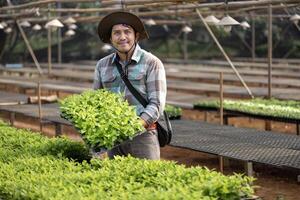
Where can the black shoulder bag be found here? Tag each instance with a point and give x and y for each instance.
(164, 129)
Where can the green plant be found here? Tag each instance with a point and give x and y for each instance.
(21, 143)
(64, 147)
(103, 118)
(267, 107)
(39, 174)
(173, 112)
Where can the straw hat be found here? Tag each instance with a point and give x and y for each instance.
(106, 24)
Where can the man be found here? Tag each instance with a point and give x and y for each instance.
(123, 30)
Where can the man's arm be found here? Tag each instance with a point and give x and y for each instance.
(156, 91)
(97, 84)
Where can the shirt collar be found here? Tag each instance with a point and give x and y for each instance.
(136, 56)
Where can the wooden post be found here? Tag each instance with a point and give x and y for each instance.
(226, 119)
(49, 45)
(268, 125)
(270, 51)
(40, 104)
(221, 164)
(185, 51)
(221, 98)
(168, 47)
(205, 116)
(249, 168)
(58, 129)
(59, 34)
(12, 117)
(57, 93)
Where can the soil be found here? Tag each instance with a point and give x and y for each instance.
(273, 183)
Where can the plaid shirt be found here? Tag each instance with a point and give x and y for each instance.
(145, 72)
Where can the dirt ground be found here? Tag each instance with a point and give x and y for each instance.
(274, 183)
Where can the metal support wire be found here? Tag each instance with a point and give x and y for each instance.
(224, 53)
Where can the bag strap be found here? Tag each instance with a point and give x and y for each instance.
(133, 91)
(137, 95)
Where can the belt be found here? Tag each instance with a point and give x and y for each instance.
(152, 127)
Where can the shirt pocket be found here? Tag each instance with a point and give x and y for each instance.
(109, 81)
(138, 80)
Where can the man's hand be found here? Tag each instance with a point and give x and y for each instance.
(144, 123)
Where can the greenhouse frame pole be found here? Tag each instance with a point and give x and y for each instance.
(270, 49)
(224, 53)
(185, 48)
(59, 39)
(221, 98)
(49, 45)
(29, 48)
(253, 47)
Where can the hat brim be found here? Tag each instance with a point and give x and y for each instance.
(106, 24)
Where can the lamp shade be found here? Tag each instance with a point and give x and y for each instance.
(70, 20)
(4, 24)
(54, 23)
(245, 25)
(36, 27)
(72, 26)
(211, 19)
(8, 30)
(228, 21)
(106, 48)
(150, 22)
(70, 33)
(187, 29)
(25, 24)
(295, 18)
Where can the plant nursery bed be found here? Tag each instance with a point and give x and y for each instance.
(274, 183)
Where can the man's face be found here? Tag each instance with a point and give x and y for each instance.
(123, 37)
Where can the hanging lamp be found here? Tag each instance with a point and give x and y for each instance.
(36, 27)
(150, 22)
(8, 30)
(106, 48)
(25, 23)
(295, 18)
(227, 22)
(54, 23)
(4, 24)
(186, 29)
(72, 26)
(70, 33)
(70, 20)
(245, 25)
(211, 19)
